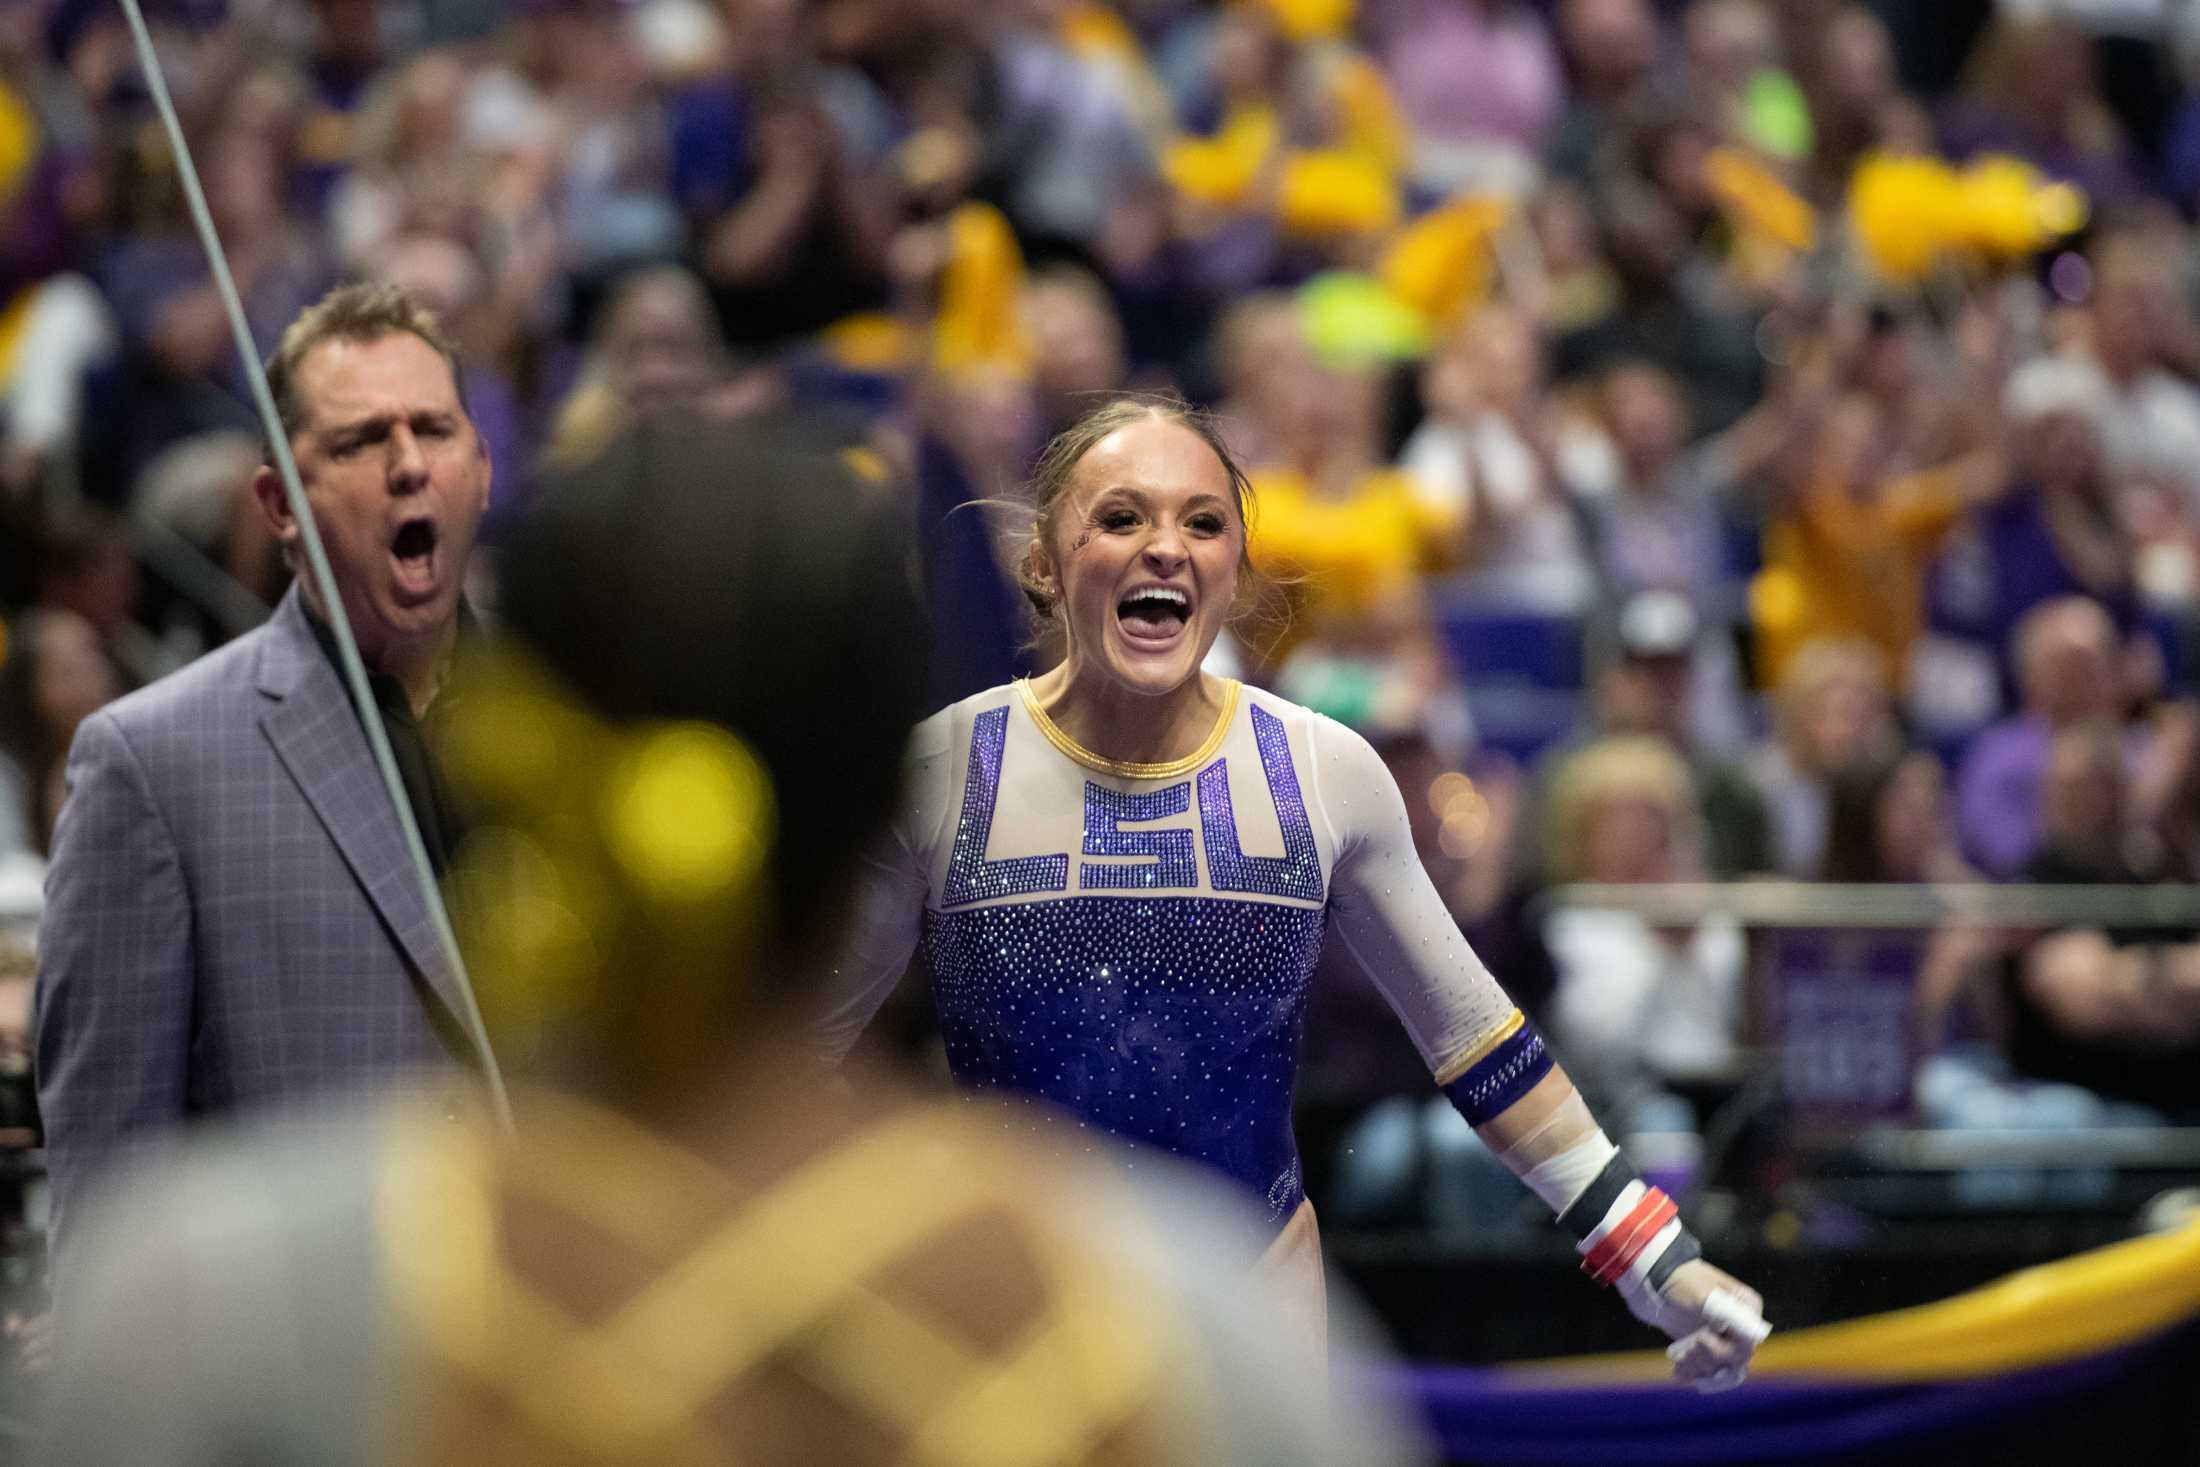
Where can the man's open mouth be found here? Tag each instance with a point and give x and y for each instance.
(1154, 613)
(413, 548)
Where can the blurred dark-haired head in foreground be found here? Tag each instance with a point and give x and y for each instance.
(676, 752)
(697, 1243)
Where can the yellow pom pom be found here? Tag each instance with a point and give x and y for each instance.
(1757, 202)
(978, 325)
(1994, 213)
(1440, 264)
(1903, 212)
(1222, 170)
(1312, 20)
(1912, 214)
(1370, 122)
(2006, 210)
(1331, 193)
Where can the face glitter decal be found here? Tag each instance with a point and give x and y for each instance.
(1297, 872)
(1106, 810)
(970, 876)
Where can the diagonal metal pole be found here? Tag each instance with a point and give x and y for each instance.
(324, 581)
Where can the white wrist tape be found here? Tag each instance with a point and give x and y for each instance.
(1561, 1179)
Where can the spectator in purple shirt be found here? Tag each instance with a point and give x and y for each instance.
(2056, 533)
(2067, 653)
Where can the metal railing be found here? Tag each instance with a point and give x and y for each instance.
(1924, 906)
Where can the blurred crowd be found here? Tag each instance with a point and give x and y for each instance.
(1694, 441)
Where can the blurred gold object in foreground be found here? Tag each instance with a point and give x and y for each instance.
(593, 1293)
(597, 851)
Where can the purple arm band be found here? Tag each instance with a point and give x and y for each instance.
(1493, 1082)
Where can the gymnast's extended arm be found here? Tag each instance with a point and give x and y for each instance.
(1492, 1064)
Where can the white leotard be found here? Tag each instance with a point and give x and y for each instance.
(1134, 942)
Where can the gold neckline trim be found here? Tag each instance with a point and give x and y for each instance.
(1123, 769)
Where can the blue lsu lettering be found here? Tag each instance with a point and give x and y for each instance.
(1174, 864)
(1167, 859)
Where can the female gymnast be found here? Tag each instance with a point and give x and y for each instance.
(1122, 873)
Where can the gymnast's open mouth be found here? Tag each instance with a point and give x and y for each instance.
(1154, 612)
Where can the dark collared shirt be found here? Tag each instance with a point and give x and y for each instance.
(431, 804)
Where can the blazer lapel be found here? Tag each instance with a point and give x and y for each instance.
(317, 736)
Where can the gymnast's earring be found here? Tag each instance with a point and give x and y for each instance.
(1038, 581)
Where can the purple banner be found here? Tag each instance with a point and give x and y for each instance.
(1846, 1020)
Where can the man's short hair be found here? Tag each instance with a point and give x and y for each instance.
(366, 311)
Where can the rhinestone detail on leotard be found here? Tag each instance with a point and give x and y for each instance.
(1173, 1021)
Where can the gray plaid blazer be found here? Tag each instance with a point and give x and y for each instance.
(231, 919)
